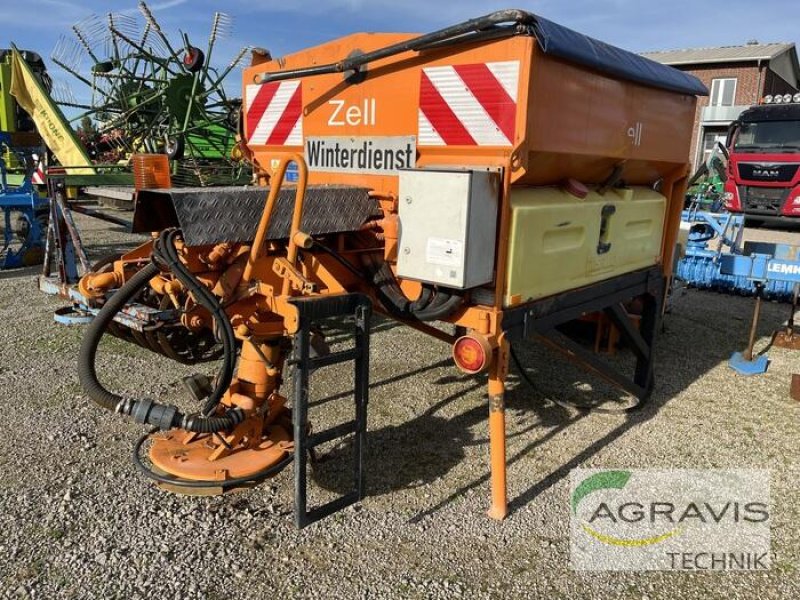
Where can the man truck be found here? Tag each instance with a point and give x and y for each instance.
(763, 178)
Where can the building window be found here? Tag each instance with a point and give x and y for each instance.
(723, 92)
(711, 136)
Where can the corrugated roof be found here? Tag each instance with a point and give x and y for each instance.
(690, 56)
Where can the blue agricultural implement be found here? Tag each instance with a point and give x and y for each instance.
(24, 218)
(715, 258)
(712, 238)
(764, 265)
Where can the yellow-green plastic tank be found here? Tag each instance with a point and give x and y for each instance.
(561, 241)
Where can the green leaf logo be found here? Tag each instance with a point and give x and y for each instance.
(599, 481)
(611, 480)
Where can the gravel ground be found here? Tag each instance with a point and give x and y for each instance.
(79, 522)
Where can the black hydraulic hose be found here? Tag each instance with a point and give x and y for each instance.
(499, 17)
(167, 252)
(395, 304)
(428, 307)
(389, 294)
(443, 304)
(87, 372)
(439, 299)
(440, 312)
(423, 301)
(392, 297)
(340, 259)
(145, 410)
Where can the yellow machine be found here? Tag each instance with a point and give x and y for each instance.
(505, 175)
(13, 118)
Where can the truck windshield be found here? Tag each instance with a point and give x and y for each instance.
(768, 136)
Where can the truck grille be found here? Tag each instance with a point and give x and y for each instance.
(762, 200)
(782, 172)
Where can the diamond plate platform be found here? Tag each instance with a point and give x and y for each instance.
(231, 214)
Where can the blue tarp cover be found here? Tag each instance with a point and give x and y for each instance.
(568, 44)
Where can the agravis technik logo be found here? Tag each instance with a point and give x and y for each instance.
(670, 519)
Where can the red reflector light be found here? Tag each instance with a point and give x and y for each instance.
(472, 354)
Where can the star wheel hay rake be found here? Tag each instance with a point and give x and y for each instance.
(144, 93)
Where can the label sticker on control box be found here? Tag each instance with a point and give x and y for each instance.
(441, 251)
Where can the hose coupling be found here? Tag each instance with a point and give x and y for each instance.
(149, 412)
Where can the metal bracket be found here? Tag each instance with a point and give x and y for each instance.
(541, 318)
(283, 268)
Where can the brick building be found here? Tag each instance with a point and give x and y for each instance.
(737, 77)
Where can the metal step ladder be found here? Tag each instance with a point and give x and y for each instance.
(310, 312)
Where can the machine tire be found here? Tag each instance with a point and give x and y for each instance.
(193, 59)
(175, 148)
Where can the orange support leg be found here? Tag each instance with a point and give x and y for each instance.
(497, 431)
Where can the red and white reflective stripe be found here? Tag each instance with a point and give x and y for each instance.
(38, 174)
(469, 105)
(274, 113)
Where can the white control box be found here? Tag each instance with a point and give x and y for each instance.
(448, 226)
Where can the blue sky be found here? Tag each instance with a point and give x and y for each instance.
(283, 25)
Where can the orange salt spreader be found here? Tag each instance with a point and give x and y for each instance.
(505, 175)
